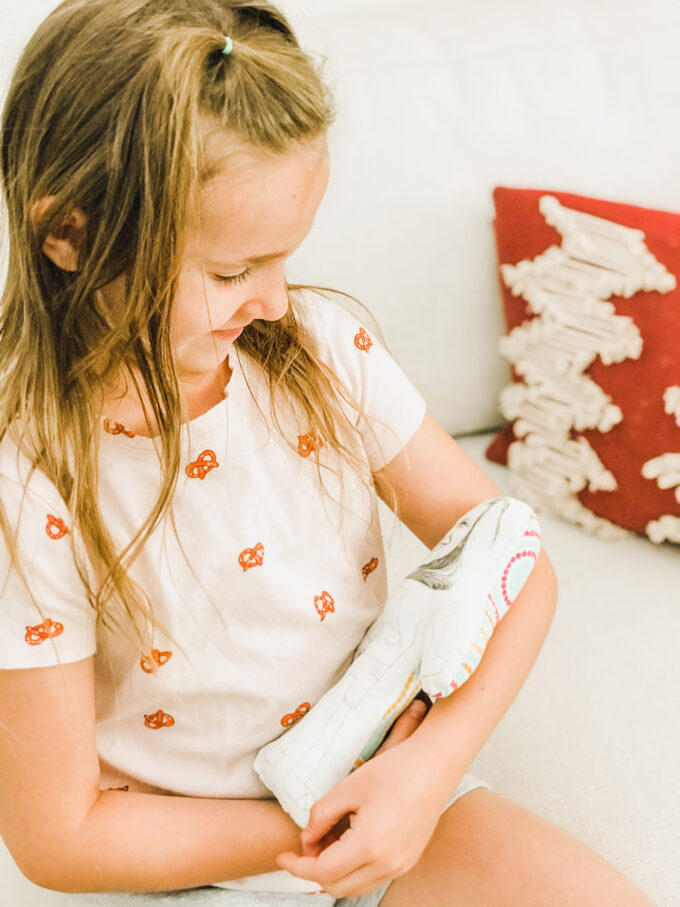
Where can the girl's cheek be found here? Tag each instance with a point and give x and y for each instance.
(203, 305)
(192, 310)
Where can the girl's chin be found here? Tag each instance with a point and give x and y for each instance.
(208, 350)
(195, 365)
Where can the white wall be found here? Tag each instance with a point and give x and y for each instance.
(440, 100)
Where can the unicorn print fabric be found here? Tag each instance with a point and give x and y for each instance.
(430, 636)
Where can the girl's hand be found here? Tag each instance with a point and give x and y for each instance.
(409, 720)
(374, 825)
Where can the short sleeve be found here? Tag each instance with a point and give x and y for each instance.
(65, 631)
(393, 407)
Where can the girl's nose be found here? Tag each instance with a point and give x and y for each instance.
(269, 297)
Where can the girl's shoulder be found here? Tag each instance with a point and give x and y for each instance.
(338, 328)
(320, 308)
(22, 483)
(347, 338)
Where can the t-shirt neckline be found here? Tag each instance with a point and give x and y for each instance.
(208, 421)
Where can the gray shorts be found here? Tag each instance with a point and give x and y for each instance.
(210, 896)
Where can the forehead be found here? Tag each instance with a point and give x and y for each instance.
(257, 206)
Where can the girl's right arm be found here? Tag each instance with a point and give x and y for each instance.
(67, 835)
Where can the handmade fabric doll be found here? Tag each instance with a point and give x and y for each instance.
(431, 635)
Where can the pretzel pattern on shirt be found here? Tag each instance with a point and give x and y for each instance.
(249, 557)
(115, 428)
(324, 604)
(307, 443)
(55, 528)
(362, 341)
(202, 465)
(368, 568)
(151, 663)
(252, 557)
(48, 629)
(300, 712)
(157, 720)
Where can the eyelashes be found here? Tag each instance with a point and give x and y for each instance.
(234, 279)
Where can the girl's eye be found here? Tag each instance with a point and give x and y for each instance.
(235, 278)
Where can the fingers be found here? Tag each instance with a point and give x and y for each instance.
(342, 858)
(343, 869)
(409, 720)
(327, 813)
(330, 849)
(357, 883)
(335, 806)
(313, 849)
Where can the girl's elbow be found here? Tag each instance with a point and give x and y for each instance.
(51, 872)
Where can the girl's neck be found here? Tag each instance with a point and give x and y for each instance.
(123, 406)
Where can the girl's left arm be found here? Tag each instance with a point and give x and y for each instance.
(435, 483)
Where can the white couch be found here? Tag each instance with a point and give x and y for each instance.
(438, 101)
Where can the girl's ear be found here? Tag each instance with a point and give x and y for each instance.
(62, 247)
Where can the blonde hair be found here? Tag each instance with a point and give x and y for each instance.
(111, 110)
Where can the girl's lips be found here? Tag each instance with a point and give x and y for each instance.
(228, 335)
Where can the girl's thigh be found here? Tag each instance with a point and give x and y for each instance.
(488, 850)
(468, 783)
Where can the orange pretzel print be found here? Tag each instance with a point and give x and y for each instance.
(115, 428)
(201, 467)
(362, 341)
(48, 629)
(55, 528)
(300, 711)
(251, 557)
(151, 663)
(160, 719)
(369, 567)
(307, 443)
(324, 603)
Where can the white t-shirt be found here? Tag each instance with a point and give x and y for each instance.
(292, 595)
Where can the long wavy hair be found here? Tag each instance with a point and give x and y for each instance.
(111, 110)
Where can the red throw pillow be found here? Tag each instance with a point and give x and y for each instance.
(592, 308)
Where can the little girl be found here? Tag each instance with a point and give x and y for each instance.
(191, 451)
